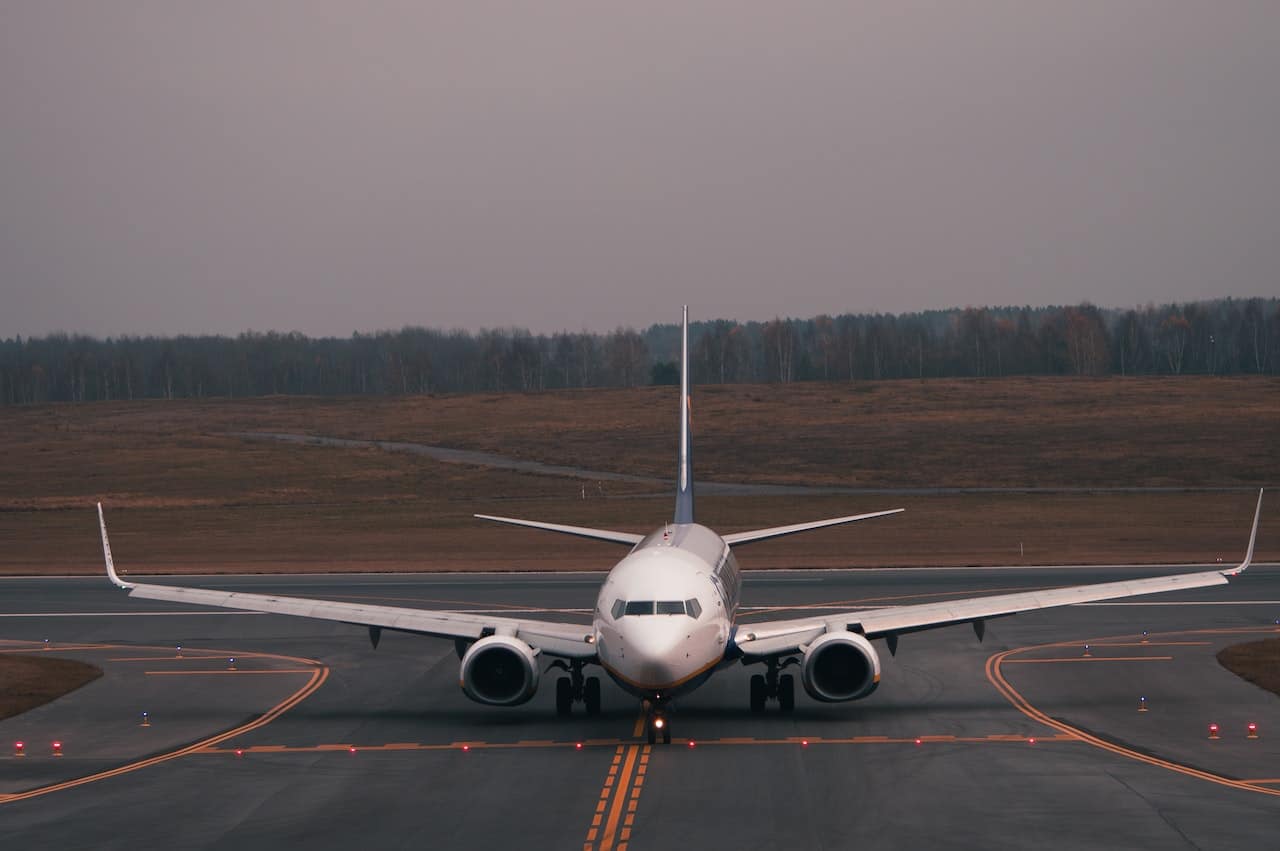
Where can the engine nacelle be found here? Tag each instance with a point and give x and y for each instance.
(840, 666)
(499, 671)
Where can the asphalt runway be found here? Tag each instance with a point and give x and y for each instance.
(311, 736)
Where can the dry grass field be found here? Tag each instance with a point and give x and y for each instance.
(1256, 661)
(183, 495)
(30, 681)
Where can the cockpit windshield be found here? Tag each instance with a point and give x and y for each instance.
(690, 607)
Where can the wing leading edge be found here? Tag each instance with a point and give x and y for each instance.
(570, 641)
(772, 638)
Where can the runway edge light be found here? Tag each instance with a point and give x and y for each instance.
(1253, 730)
(1213, 731)
(19, 749)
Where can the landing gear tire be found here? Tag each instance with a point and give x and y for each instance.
(564, 696)
(759, 693)
(786, 693)
(591, 695)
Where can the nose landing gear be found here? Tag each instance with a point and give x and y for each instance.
(656, 723)
(575, 688)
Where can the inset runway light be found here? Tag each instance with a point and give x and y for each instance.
(57, 748)
(179, 651)
(919, 741)
(804, 743)
(578, 746)
(1142, 704)
(231, 663)
(351, 749)
(1086, 650)
(19, 748)
(46, 644)
(1253, 731)
(146, 719)
(466, 748)
(692, 744)
(239, 752)
(1031, 741)
(1145, 639)
(1213, 731)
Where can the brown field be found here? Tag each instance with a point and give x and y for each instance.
(184, 496)
(1256, 661)
(30, 681)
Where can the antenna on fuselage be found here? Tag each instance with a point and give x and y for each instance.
(684, 476)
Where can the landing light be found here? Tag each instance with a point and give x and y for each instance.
(658, 723)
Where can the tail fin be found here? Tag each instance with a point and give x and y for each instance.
(684, 479)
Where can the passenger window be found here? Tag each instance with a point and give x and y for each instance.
(671, 607)
(693, 607)
(639, 607)
(618, 607)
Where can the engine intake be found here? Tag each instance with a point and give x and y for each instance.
(499, 671)
(840, 666)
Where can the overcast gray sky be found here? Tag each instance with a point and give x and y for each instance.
(183, 167)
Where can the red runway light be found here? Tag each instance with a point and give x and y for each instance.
(19, 749)
(1213, 731)
(578, 746)
(466, 747)
(1031, 741)
(352, 749)
(1253, 730)
(804, 743)
(691, 743)
(57, 748)
(918, 742)
(239, 751)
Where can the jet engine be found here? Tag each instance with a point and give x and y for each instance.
(840, 666)
(499, 671)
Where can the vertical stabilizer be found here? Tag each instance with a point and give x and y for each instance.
(684, 478)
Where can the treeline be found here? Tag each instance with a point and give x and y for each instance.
(1221, 337)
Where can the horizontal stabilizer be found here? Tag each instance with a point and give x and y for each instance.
(581, 531)
(779, 531)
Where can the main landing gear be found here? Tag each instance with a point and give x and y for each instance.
(656, 723)
(772, 685)
(576, 687)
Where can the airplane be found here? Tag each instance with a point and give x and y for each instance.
(665, 618)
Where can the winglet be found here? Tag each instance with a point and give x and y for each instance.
(106, 554)
(1253, 536)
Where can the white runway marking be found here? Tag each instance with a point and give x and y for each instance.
(1194, 603)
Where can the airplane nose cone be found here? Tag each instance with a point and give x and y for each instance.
(656, 653)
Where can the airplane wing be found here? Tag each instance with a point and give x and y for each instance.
(739, 538)
(774, 638)
(580, 531)
(565, 640)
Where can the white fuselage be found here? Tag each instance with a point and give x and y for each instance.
(665, 613)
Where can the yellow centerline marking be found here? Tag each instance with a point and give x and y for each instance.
(1024, 706)
(230, 671)
(319, 673)
(1090, 659)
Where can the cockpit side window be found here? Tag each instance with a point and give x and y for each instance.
(693, 607)
(618, 607)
